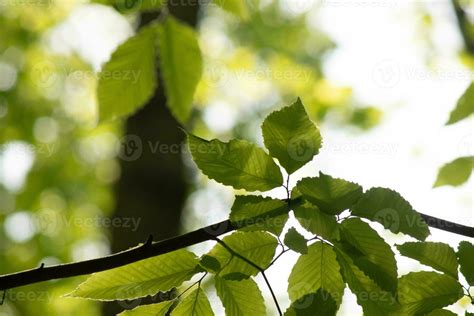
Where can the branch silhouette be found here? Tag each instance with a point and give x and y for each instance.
(151, 249)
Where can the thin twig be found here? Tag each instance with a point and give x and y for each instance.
(260, 269)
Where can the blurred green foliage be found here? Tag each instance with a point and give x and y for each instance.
(48, 112)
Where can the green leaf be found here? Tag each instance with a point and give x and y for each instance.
(370, 253)
(312, 219)
(391, 210)
(316, 270)
(456, 172)
(466, 261)
(258, 247)
(434, 254)
(370, 296)
(464, 107)
(295, 241)
(160, 309)
(240, 298)
(254, 212)
(128, 80)
(423, 292)
(139, 279)
(238, 163)
(210, 263)
(195, 304)
(329, 194)
(316, 304)
(291, 137)
(441, 312)
(181, 65)
(237, 7)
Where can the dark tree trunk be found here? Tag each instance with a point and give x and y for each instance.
(152, 188)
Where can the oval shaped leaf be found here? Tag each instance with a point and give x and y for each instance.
(370, 253)
(466, 261)
(434, 254)
(291, 137)
(238, 163)
(391, 210)
(240, 298)
(316, 270)
(139, 279)
(464, 107)
(128, 79)
(370, 296)
(456, 172)
(180, 65)
(295, 241)
(329, 194)
(423, 292)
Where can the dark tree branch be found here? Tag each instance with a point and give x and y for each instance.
(152, 249)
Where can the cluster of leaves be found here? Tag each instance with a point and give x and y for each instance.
(459, 170)
(345, 249)
(180, 63)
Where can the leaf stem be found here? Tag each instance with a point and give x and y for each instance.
(261, 270)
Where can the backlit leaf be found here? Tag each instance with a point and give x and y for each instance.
(139, 279)
(240, 298)
(423, 292)
(370, 296)
(464, 107)
(434, 254)
(238, 163)
(316, 270)
(291, 137)
(391, 210)
(295, 241)
(456, 172)
(329, 194)
(370, 253)
(180, 65)
(128, 80)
